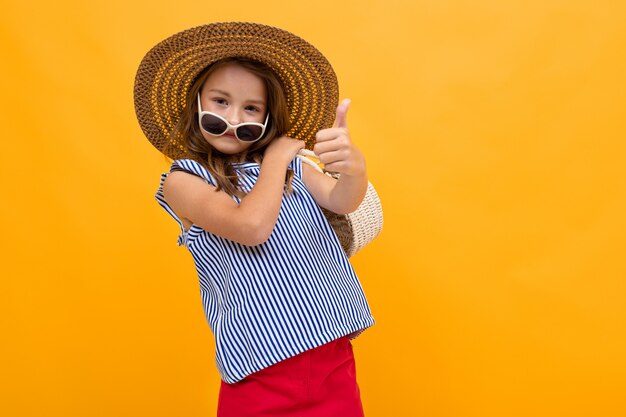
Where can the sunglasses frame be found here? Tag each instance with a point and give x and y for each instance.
(229, 126)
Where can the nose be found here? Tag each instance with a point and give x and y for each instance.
(233, 116)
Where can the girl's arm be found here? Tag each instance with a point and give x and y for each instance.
(251, 222)
(336, 150)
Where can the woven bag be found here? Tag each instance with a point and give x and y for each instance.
(354, 230)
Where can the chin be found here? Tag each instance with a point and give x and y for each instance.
(229, 147)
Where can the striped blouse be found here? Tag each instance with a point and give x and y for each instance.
(269, 302)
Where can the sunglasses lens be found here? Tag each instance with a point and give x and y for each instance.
(249, 133)
(213, 124)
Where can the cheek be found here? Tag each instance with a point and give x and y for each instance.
(206, 136)
(254, 117)
(214, 108)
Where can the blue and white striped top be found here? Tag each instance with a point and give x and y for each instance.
(269, 302)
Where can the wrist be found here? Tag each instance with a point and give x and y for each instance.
(274, 161)
(358, 168)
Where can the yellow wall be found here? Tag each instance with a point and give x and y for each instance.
(495, 134)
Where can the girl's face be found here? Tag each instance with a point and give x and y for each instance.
(237, 95)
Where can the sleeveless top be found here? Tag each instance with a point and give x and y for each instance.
(272, 301)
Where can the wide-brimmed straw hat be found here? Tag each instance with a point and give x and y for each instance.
(169, 69)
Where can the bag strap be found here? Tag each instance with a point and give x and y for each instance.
(305, 156)
(357, 229)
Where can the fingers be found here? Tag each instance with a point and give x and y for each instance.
(340, 127)
(333, 156)
(328, 141)
(342, 112)
(342, 162)
(333, 145)
(295, 144)
(285, 147)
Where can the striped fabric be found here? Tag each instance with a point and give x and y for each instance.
(269, 302)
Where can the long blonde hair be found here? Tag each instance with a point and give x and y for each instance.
(217, 163)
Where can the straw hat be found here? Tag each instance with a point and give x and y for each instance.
(169, 69)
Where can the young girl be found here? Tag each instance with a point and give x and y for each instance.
(233, 104)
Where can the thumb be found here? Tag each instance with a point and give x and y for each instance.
(342, 111)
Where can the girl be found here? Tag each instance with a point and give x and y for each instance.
(233, 104)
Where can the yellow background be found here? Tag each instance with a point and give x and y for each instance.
(494, 132)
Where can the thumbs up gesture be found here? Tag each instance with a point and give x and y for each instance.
(335, 148)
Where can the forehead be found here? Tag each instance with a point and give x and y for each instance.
(232, 74)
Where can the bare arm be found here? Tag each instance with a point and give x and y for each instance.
(251, 222)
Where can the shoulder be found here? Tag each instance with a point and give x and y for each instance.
(179, 182)
(180, 189)
(186, 181)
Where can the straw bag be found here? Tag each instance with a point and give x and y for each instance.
(356, 229)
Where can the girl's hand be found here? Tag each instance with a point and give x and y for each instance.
(283, 150)
(335, 148)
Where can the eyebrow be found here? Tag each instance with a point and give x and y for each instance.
(224, 93)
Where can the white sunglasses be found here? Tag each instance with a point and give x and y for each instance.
(216, 125)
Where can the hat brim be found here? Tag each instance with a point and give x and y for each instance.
(168, 70)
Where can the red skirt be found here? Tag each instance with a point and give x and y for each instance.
(318, 382)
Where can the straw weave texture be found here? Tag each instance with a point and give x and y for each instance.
(357, 229)
(168, 70)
